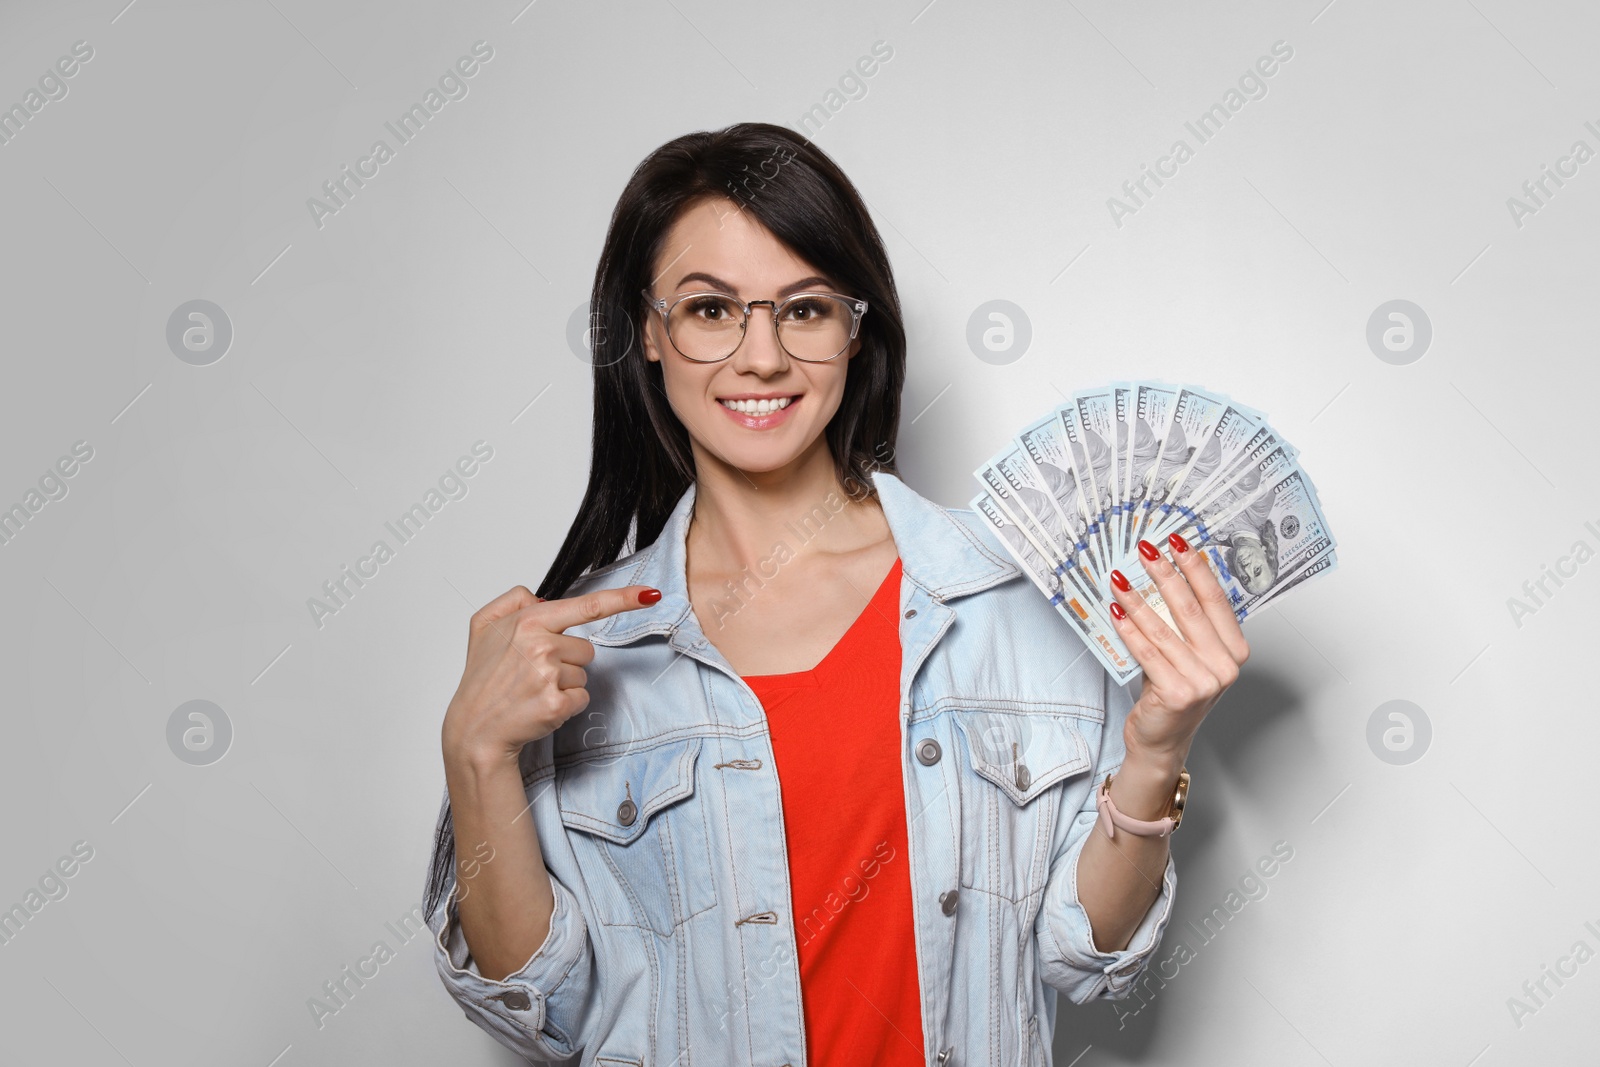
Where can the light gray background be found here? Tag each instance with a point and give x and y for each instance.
(432, 311)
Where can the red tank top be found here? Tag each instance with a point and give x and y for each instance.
(836, 737)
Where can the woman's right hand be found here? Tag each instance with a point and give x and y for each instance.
(524, 677)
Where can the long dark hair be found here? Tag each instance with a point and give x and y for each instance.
(641, 463)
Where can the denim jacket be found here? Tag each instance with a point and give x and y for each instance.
(673, 939)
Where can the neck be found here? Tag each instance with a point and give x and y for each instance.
(741, 517)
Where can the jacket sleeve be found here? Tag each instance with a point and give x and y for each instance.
(1068, 959)
(538, 1010)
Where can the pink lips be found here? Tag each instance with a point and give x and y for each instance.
(761, 422)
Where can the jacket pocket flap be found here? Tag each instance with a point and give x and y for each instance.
(1024, 753)
(615, 796)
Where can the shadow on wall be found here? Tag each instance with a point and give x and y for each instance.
(1232, 750)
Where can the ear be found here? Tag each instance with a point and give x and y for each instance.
(651, 352)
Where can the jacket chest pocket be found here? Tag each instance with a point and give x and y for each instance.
(641, 838)
(1012, 762)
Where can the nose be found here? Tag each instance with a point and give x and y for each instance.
(759, 352)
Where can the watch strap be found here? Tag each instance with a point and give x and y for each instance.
(1111, 819)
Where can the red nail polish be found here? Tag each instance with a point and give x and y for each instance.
(1178, 544)
(649, 596)
(1120, 580)
(1117, 612)
(1148, 551)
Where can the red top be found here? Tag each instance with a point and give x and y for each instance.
(836, 737)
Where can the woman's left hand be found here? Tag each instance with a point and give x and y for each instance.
(1183, 675)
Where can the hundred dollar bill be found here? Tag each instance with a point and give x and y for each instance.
(1091, 462)
(1122, 399)
(1235, 462)
(1000, 495)
(1270, 533)
(1324, 562)
(1236, 429)
(1015, 487)
(1149, 447)
(1097, 417)
(1101, 640)
(1269, 461)
(1043, 442)
(1195, 413)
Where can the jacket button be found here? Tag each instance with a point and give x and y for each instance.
(927, 752)
(947, 902)
(517, 1000)
(1023, 777)
(911, 613)
(627, 811)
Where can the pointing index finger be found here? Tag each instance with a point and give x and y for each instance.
(558, 615)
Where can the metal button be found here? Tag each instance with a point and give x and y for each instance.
(944, 1055)
(627, 811)
(1023, 777)
(927, 752)
(517, 1000)
(947, 902)
(911, 613)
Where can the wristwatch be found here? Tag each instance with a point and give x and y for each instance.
(1111, 818)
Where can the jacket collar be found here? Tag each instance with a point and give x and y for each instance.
(937, 552)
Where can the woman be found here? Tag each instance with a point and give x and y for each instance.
(810, 774)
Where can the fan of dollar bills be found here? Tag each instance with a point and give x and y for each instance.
(1072, 495)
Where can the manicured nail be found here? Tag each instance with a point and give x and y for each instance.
(1117, 612)
(649, 596)
(1120, 580)
(1148, 551)
(1178, 544)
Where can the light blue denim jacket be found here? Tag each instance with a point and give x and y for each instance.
(673, 939)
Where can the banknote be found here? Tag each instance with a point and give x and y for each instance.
(1074, 492)
(1097, 634)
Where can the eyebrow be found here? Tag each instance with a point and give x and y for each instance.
(813, 282)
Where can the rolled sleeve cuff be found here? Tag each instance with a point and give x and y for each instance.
(522, 1009)
(1066, 938)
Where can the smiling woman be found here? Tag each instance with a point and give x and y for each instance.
(674, 792)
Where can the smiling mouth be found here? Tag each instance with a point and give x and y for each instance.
(758, 407)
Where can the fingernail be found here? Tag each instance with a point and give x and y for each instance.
(649, 596)
(1178, 544)
(1117, 612)
(1148, 551)
(1120, 580)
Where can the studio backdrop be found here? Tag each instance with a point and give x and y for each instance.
(283, 282)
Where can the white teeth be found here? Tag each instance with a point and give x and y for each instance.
(757, 407)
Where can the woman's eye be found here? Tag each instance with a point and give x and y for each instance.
(807, 310)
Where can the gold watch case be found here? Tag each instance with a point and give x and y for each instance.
(1179, 796)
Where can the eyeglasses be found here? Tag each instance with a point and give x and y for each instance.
(707, 327)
